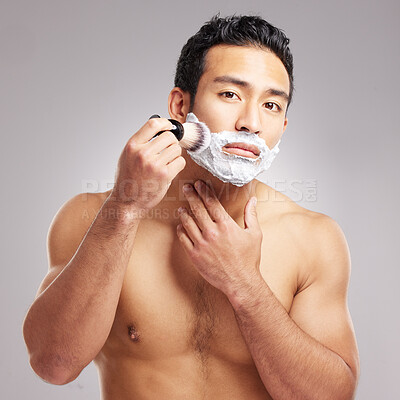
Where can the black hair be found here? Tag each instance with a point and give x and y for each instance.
(232, 30)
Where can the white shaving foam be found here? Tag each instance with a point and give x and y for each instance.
(233, 168)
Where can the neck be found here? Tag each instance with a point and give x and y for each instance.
(232, 198)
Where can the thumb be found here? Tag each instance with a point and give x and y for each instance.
(250, 214)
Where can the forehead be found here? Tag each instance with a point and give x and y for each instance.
(259, 66)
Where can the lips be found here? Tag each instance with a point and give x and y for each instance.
(242, 149)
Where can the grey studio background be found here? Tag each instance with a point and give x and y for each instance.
(77, 78)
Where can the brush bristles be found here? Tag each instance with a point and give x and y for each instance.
(196, 136)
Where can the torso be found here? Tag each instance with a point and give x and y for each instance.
(174, 335)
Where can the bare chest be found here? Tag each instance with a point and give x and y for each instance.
(167, 309)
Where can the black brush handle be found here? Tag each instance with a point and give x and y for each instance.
(177, 130)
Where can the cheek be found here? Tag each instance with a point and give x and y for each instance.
(273, 132)
(213, 115)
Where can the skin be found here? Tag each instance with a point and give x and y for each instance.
(198, 294)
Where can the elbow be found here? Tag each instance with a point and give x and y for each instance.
(51, 370)
(349, 386)
(50, 366)
(351, 393)
(352, 381)
(341, 387)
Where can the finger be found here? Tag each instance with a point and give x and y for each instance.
(190, 225)
(151, 128)
(184, 238)
(161, 142)
(250, 215)
(169, 154)
(175, 166)
(214, 207)
(196, 205)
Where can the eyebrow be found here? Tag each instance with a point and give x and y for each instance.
(231, 79)
(244, 84)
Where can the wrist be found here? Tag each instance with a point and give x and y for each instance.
(244, 294)
(120, 211)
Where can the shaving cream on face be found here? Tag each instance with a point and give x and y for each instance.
(233, 168)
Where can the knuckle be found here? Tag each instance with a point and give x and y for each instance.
(223, 226)
(222, 218)
(210, 200)
(183, 162)
(210, 234)
(131, 146)
(177, 148)
(201, 245)
(159, 124)
(153, 123)
(195, 255)
(143, 157)
(162, 172)
(171, 137)
(196, 212)
(154, 166)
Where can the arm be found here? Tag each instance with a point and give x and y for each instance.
(311, 352)
(70, 320)
(71, 317)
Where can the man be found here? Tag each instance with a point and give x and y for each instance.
(179, 286)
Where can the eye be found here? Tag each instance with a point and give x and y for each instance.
(270, 106)
(228, 95)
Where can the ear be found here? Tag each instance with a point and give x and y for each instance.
(178, 104)
(284, 125)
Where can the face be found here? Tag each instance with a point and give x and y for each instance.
(243, 89)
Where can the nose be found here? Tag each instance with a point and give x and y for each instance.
(249, 119)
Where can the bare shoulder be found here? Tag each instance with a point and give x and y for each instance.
(67, 230)
(317, 236)
(275, 207)
(70, 224)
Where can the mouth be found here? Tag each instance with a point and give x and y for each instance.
(242, 149)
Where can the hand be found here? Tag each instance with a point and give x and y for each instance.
(225, 254)
(146, 168)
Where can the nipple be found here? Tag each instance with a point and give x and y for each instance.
(133, 334)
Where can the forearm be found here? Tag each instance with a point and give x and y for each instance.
(291, 364)
(69, 322)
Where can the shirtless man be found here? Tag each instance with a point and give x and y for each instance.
(200, 294)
